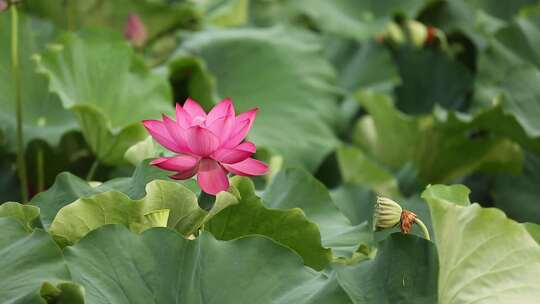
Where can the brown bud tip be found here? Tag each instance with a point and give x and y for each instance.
(135, 31)
(407, 221)
(431, 32)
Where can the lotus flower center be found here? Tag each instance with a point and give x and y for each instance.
(198, 120)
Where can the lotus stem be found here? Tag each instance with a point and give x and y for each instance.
(423, 227)
(15, 73)
(92, 170)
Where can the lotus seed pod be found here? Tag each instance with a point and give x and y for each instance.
(387, 213)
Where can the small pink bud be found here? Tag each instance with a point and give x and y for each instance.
(3, 5)
(135, 31)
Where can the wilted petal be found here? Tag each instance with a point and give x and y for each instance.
(201, 141)
(241, 128)
(182, 117)
(247, 167)
(160, 133)
(212, 178)
(178, 163)
(177, 133)
(194, 110)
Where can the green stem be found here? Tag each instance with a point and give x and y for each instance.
(15, 73)
(423, 227)
(92, 170)
(40, 170)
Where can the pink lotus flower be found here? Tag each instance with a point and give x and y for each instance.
(207, 145)
(135, 31)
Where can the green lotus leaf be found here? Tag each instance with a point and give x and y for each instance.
(431, 78)
(296, 188)
(366, 66)
(483, 255)
(357, 169)
(44, 117)
(158, 17)
(117, 266)
(518, 195)
(27, 215)
(404, 271)
(289, 227)
(508, 71)
(75, 220)
(32, 267)
(294, 94)
(97, 76)
(354, 19)
(67, 188)
(442, 146)
(534, 230)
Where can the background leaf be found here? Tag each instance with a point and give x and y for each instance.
(404, 271)
(117, 266)
(28, 261)
(289, 227)
(98, 76)
(480, 247)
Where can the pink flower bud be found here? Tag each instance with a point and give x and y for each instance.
(3, 5)
(135, 31)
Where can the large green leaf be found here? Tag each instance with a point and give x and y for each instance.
(26, 215)
(483, 255)
(507, 75)
(404, 271)
(363, 66)
(158, 18)
(358, 169)
(289, 227)
(280, 70)
(519, 196)
(31, 266)
(43, 115)
(159, 266)
(97, 75)
(67, 188)
(430, 77)
(75, 220)
(354, 19)
(295, 188)
(443, 146)
(354, 201)
(479, 19)
(511, 67)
